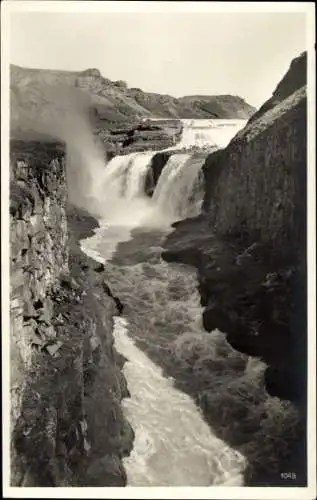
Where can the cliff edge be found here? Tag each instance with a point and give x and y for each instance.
(67, 427)
(249, 246)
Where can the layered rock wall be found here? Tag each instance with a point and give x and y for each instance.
(249, 246)
(141, 136)
(38, 248)
(67, 427)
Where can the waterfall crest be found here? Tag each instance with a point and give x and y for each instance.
(208, 134)
(119, 191)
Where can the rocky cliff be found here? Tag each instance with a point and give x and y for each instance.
(294, 79)
(264, 164)
(249, 246)
(143, 136)
(67, 427)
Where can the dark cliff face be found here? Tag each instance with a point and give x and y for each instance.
(256, 186)
(294, 79)
(249, 245)
(67, 427)
(255, 208)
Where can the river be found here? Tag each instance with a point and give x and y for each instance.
(160, 332)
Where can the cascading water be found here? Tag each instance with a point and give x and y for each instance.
(120, 193)
(179, 191)
(173, 445)
(124, 176)
(119, 189)
(136, 175)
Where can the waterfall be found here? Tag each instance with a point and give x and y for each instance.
(124, 175)
(119, 190)
(178, 193)
(135, 177)
(120, 194)
(179, 189)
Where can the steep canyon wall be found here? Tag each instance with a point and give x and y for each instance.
(249, 247)
(257, 185)
(67, 428)
(249, 244)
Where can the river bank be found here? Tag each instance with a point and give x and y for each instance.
(249, 248)
(248, 294)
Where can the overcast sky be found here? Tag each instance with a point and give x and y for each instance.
(179, 54)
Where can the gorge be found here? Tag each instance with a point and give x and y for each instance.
(149, 355)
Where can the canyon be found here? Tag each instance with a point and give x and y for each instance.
(214, 307)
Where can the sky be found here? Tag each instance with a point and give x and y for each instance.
(176, 53)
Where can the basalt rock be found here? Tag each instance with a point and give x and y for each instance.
(158, 162)
(139, 136)
(249, 245)
(66, 382)
(294, 79)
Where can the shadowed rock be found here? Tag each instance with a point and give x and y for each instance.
(250, 244)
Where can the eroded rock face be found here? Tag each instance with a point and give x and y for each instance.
(256, 186)
(250, 243)
(38, 247)
(249, 246)
(294, 79)
(66, 380)
(139, 136)
(158, 162)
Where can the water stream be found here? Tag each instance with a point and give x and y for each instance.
(161, 329)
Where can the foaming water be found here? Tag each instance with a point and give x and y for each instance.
(124, 176)
(180, 188)
(121, 200)
(136, 175)
(173, 445)
(119, 192)
(166, 189)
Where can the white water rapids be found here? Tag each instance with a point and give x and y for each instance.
(161, 322)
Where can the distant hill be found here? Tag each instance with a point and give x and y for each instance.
(113, 102)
